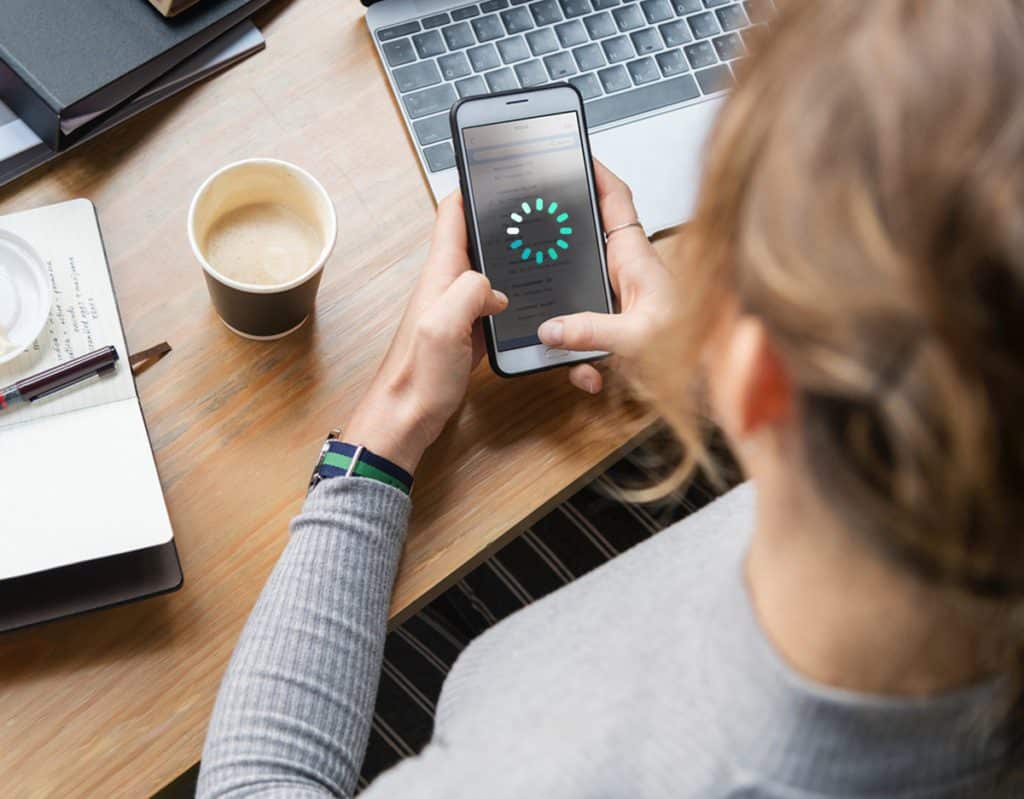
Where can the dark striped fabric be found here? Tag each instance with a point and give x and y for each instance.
(590, 528)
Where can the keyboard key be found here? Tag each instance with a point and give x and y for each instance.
(675, 33)
(703, 25)
(416, 76)
(465, 13)
(701, 54)
(643, 70)
(614, 79)
(501, 80)
(487, 28)
(542, 41)
(758, 10)
(571, 33)
(671, 63)
(729, 46)
(387, 34)
(458, 36)
(684, 7)
(432, 129)
(617, 49)
(646, 41)
(531, 73)
(575, 8)
(600, 5)
(493, 5)
(628, 18)
(440, 157)
(731, 18)
(560, 65)
(513, 49)
(428, 44)
(518, 2)
(429, 101)
(545, 12)
(588, 85)
(483, 57)
(517, 20)
(468, 87)
(589, 57)
(716, 79)
(639, 101)
(713, 3)
(600, 25)
(454, 65)
(398, 52)
(436, 20)
(656, 10)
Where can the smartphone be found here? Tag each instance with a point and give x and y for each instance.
(531, 212)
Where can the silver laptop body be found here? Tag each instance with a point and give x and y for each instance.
(652, 73)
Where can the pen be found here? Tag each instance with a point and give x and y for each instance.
(59, 377)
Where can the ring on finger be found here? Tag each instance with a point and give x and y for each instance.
(617, 228)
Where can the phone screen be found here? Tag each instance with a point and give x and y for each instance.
(535, 218)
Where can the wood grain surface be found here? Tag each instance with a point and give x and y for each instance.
(116, 703)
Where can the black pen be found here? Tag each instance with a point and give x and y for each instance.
(59, 377)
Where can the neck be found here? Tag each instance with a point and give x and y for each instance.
(843, 616)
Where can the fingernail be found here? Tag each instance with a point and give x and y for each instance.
(590, 386)
(501, 297)
(551, 332)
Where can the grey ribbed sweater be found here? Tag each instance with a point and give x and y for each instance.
(648, 677)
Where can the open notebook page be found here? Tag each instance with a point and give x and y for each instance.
(84, 314)
(77, 476)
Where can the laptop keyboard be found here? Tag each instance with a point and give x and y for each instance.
(626, 58)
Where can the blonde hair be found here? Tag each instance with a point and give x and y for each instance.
(863, 196)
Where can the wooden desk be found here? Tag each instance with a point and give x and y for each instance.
(116, 703)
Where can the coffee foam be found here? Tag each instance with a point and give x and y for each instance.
(262, 244)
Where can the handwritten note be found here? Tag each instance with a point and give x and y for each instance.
(83, 317)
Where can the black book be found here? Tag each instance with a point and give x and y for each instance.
(65, 65)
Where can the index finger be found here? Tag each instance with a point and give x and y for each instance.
(614, 197)
(448, 245)
(627, 245)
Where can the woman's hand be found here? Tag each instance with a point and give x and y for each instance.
(426, 370)
(642, 284)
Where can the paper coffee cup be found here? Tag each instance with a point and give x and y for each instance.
(281, 299)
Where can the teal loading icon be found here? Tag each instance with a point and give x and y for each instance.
(542, 249)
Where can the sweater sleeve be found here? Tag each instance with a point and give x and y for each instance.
(294, 710)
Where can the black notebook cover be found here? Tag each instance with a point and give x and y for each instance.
(65, 64)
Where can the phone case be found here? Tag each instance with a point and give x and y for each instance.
(492, 351)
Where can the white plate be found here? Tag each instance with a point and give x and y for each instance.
(25, 295)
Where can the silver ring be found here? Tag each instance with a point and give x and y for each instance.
(617, 228)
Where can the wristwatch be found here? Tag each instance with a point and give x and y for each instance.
(341, 459)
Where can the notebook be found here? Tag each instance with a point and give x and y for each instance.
(77, 475)
(21, 150)
(64, 65)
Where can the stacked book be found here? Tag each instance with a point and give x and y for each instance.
(70, 71)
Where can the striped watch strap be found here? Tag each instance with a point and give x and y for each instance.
(341, 459)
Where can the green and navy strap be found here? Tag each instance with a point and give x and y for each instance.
(341, 459)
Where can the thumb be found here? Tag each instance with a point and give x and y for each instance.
(586, 331)
(469, 298)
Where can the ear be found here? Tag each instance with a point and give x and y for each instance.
(751, 388)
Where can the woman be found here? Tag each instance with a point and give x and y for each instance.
(841, 625)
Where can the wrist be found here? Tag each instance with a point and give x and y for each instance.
(385, 425)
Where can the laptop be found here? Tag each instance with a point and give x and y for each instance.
(652, 74)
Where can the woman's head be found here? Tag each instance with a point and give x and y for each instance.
(861, 229)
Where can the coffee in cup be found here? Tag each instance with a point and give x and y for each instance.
(262, 230)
